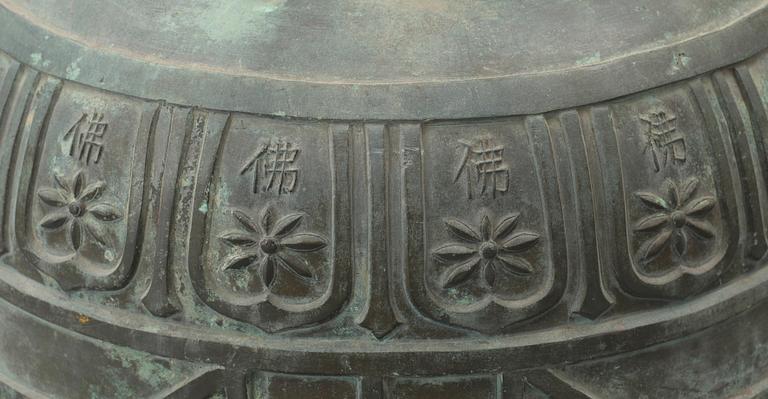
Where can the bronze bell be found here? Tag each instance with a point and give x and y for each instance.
(400, 199)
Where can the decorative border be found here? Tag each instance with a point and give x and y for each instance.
(300, 354)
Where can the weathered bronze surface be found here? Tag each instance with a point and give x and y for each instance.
(454, 199)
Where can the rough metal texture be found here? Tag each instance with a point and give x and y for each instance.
(383, 199)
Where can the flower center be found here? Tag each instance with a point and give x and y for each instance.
(489, 250)
(76, 208)
(678, 218)
(268, 245)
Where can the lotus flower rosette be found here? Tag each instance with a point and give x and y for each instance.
(270, 246)
(75, 207)
(485, 251)
(677, 218)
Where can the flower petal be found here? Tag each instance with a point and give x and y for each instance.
(296, 266)
(77, 183)
(674, 193)
(652, 222)
(489, 273)
(521, 241)
(462, 230)
(76, 234)
(305, 242)
(680, 242)
(240, 261)
(700, 206)
(453, 253)
(701, 228)
(105, 212)
(60, 182)
(267, 271)
(515, 266)
(245, 220)
(54, 221)
(485, 228)
(236, 239)
(51, 197)
(506, 226)
(267, 219)
(652, 247)
(92, 191)
(458, 274)
(653, 201)
(94, 231)
(689, 188)
(286, 225)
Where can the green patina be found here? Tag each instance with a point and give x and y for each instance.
(119, 387)
(242, 280)
(223, 193)
(203, 208)
(146, 368)
(590, 60)
(73, 70)
(680, 61)
(346, 332)
(37, 60)
(224, 21)
(459, 297)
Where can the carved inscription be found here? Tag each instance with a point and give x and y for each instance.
(273, 167)
(483, 167)
(663, 140)
(86, 138)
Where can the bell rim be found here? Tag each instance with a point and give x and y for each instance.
(62, 54)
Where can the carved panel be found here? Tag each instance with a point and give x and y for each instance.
(494, 248)
(671, 192)
(79, 203)
(276, 220)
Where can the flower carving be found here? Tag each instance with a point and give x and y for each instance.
(484, 251)
(271, 245)
(77, 208)
(676, 218)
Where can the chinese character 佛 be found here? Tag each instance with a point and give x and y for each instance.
(663, 139)
(87, 138)
(273, 168)
(483, 163)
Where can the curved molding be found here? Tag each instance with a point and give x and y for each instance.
(223, 89)
(319, 356)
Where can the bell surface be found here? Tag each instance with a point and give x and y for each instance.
(400, 199)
